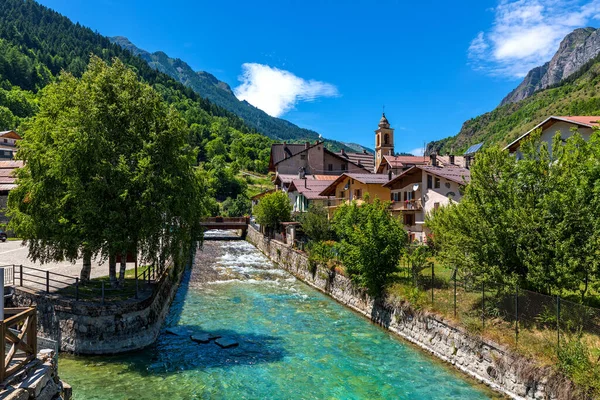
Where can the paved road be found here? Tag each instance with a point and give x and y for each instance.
(12, 252)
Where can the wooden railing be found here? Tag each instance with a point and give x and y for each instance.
(18, 331)
(407, 205)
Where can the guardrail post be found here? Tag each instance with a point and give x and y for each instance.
(103, 293)
(77, 289)
(21, 274)
(47, 281)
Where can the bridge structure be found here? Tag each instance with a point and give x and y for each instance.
(227, 224)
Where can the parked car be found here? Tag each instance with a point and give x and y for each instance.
(3, 236)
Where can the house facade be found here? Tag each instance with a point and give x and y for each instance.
(422, 189)
(558, 125)
(8, 144)
(306, 192)
(354, 187)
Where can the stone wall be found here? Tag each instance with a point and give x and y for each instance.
(38, 380)
(92, 328)
(488, 362)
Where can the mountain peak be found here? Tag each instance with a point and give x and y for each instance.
(575, 50)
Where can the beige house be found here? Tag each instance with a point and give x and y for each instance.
(422, 189)
(562, 125)
(354, 187)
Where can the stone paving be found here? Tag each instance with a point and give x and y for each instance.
(12, 252)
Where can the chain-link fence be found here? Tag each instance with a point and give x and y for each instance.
(533, 322)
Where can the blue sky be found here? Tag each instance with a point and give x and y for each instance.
(332, 65)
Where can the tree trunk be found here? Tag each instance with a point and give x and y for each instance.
(86, 270)
(112, 270)
(123, 268)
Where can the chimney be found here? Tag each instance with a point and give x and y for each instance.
(302, 173)
(364, 151)
(451, 159)
(390, 175)
(305, 187)
(343, 152)
(433, 159)
(306, 145)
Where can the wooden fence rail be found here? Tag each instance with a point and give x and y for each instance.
(18, 339)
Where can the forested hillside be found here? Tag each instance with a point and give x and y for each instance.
(579, 94)
(36, 44)
(219, 92)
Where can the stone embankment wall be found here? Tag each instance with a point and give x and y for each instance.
(39, 380)
(92, 328)
(488, 362)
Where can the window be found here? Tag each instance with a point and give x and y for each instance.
(437, 183)
(343, 167)
(386, 139)
(357, 193)
(409, 219)
(303, 156)
(5, 140)
(341, 194)
(396, 196)
(429, 181)
(436, 206)
(330, 167)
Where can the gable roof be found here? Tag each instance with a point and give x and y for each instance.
(367, 179)
(10, 134)
(584, 121)
(311, 189)
(402, 161)
(288, 178)
(462, 176)
(363, 159)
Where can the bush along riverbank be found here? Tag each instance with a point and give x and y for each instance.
(489, 362)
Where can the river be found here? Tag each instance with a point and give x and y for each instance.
(294, 343)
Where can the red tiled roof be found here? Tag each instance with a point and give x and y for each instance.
(377, 179)
(12, 164)
(459, 175)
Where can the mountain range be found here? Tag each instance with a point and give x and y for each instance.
(568, 84)
(220, 93)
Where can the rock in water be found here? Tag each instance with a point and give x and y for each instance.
(178, 331)
(226, 343)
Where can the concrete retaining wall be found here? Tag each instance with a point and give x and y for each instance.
(92, 328)
(486, 361)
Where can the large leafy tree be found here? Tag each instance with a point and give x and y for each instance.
(371, 243)
(273, 209)
(532, 220)
(108, 170)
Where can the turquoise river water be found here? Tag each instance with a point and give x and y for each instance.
(294, 343)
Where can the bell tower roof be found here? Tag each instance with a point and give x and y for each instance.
(383, 122)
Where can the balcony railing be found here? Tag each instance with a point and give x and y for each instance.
(339, 201)
(407, 205)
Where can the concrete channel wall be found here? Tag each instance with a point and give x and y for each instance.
(92, 328)
(486, 361)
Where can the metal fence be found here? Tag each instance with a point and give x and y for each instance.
(47, 282)
(532, 321)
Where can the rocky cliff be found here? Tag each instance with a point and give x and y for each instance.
(575, 50)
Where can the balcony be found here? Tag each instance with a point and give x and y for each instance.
(332, 203)
(407, 205)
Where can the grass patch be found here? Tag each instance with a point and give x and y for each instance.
(92, 290)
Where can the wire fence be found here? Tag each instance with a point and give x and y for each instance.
(532, 321)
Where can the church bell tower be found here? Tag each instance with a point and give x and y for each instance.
(384, 141)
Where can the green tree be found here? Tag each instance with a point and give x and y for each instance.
(273, 209)
(238, 207)
(108, 170)
(371, 244)
(316, 225)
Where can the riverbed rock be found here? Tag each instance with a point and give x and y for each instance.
(178, 331)
(226, 343)
(204, 337)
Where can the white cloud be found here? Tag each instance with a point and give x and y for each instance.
(527, 33)
(276, 91)
(417, 152)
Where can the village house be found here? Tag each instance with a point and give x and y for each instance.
(7, 183)
(562, 125)
(423, 188)
(8, 144)
(290, 160)
(354, 187)
(306, 192)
